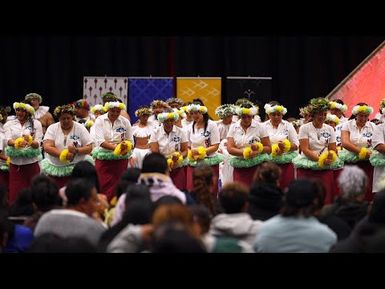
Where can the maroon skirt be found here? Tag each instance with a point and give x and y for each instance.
(20, 178)
(109, 173)
(244, 175)
(327, 179)
(189, 179)
(60, 181)
(178, 177)
(368, 169)
(4, 179)
(287, 175)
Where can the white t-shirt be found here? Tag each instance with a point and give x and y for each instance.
(169, 143)
(78, 137)
(142, 132)
(106, 131)
(255, 132)
(201, 138)
(319, 138)
(379, 135)
(359, 138)
(285, 130)
(41, 111)
(14, 129)
(223, 129)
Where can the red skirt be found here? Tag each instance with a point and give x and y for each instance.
(20, 178)
(178, 177)
(109, 173)
(4, 179)
(244, 175)
(327, 179)
(60, 181)
(189, 179)
(287, 175)
(368, 169)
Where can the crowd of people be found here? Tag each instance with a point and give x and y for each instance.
(178, 181)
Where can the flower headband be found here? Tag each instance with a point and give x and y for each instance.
(304, 111)
(158, 102)
(112, 104)
(339, 106)
(33, 95)
(275, 108)
(249, 111)
(180, 112)
(162, 117)
(143, 111)
(82, 103)
(25, 106)
(225, 110)
(98, 107)
(175, 100)
(317, 105)
(67, 108)
(332, 118)
(109, 96)
(362, 108)
(197, 107)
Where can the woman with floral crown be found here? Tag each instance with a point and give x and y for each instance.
(284, 141)
(171, 141)
(203, 138)
(113, 146)
(65, 144)
(317, 140)
(356, 138)
(142, 131)
(249, 144)
(23, 136)
(381, 114)
(4, 160)
(42, 113)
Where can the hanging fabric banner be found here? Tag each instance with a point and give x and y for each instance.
(143, 90)
(95, 86)
(208, 89)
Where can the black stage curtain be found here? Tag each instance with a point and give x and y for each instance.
(302, 67)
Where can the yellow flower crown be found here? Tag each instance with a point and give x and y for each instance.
(332, 118)
(162, 117)
(362, 109)
(67, 108)
(98, 107)
(341, 107)
(275, 108)
(197, 107)
(248, 111)
(33, 95)
(20, 105)
(143, 111)
(113, 104)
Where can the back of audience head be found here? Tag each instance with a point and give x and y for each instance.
(352, 182)
(51, 243)
(202, 217)
(85, 169)
(23, 205)
(377, 209)
(81, 193)
(129, 177)
(155, 163)
(167, 200)
(233, 198)
(303, 198)
(202, 181)
(45, 193)
(267, 172)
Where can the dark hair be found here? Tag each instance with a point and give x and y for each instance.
(353, 116)
(167, 200)
(233, 197)
(303, 197)
(202, 216)
(78, 189)
(377, 212)
(154, 163)
(23, 205)
(45, 193)
(265, 201)
(129, 177)
(202, 179)
(85, 169)
(267, 172)
(206, 116)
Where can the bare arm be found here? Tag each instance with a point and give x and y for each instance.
(346, 143)
(304, 145)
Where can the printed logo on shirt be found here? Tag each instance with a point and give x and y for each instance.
(325, 135)
(367, 134)
(253, 140)
(120, 129)
(74, 137)
(206, 133)
(176, 139)
(286, 132)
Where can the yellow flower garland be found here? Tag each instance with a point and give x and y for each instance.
(63, 156)
(89, 123)
(201, 154)
(259, 146)
(170, 161)
(363, 154)
(19, 141)
(274, 150)
(286, 145)
(325, 155)
(246, 153)
(8, 161)
(118, 149)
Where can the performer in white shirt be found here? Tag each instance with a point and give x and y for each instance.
(157, 106)
(381, 114)
(142, 131)
(203, 138)
(113, 147)
(42, 113)
(338, 108)
(248, 142)
(4, 160)
(96, 111)
(171, 141)
(318, 156)
(65, 144)
(23, 135)
(284, 141)
(356, 136)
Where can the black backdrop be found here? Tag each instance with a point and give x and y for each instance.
(302, 67)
